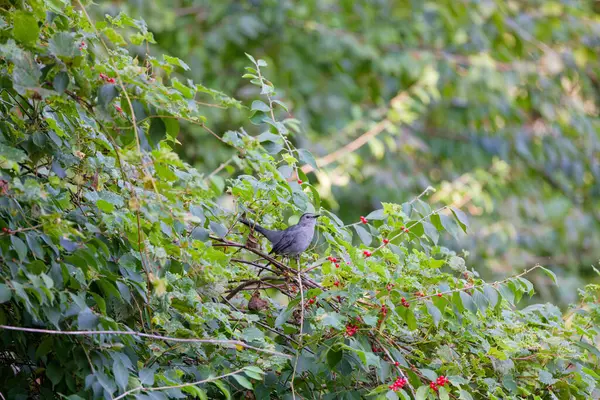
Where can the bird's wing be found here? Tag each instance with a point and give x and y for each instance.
(286, 241)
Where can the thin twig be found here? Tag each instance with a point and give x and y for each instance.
(299, 348)
(417, 298)
(146, 335)
(154, 389)
(387, 352)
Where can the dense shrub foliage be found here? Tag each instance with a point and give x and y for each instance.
(494, 103)
(105, 229)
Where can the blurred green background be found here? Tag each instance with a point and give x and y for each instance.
(494, 103)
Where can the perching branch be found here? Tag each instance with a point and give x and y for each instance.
(146, 335)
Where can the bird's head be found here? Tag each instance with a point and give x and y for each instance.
(308, 219)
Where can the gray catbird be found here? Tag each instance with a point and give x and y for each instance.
(291, 241)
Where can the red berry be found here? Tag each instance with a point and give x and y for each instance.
(111, 80)
(5, 229)
(433, 386)
(119, 109)
(396, 363)
(386, 241)
(336, 283)
(337, 265)
(367, 253)
(439, 295)
(364, 220)
(299, 181)
(351, 329)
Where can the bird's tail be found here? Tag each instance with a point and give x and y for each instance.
(258, 228)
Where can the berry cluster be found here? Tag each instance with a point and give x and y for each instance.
(106, 79)
(404, 229)
(389, 286)
(419, 294)
(364, 220)
(82, 46)
(384, 310)
(405, 302)
(398, 384)
(351, 330)
(440, 381)
(334, 260)
(6, 230)
(367, 253)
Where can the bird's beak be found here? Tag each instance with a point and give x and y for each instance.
(317, 215)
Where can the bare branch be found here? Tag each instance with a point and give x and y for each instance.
(146, 335)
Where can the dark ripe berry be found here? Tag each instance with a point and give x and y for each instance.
(299, 181)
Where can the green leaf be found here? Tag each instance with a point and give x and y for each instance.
(25, 27)
(106, 95)
(12, 154)
(223, 388)
(449, 225)
(195, 392)
(157, 131)
(332, 319)
(176, 61)
(467, 302)
(121, 374)
(146, 376)
(5, 293)
(491, 294)
(364, 235)
(376, 215)
(105, 206)
(435, 313)
(464, 395)
(551, 274)
(431, 232)
(443, 393)
(422, 392)
(19, 246)
(546, 377)
(60, 82)
(55, 373)
(258, 105)
(334, 357)
(243, 381)
(307, 158)
(62, 44)
(461, 218)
